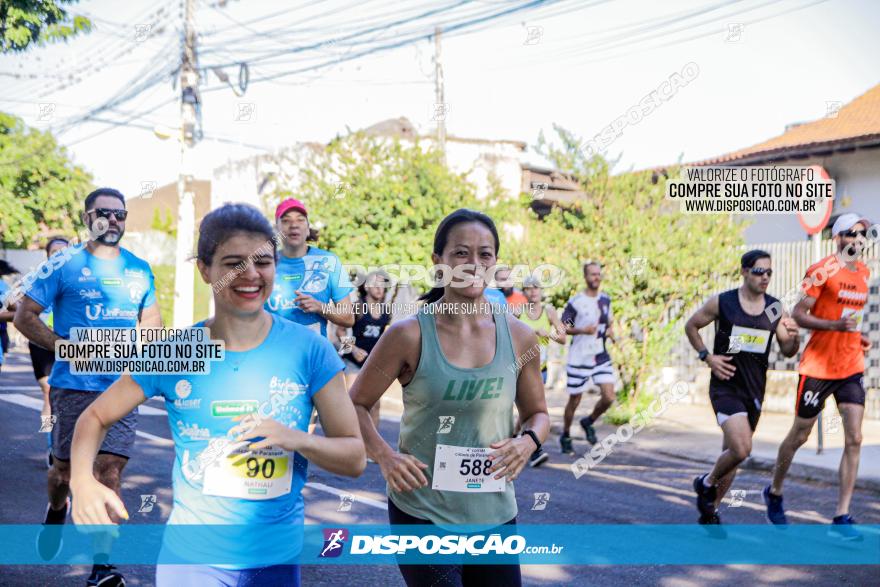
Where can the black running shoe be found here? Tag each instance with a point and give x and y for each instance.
(775, 511)
(538, 458)
(711, 520)
(705, 498)
(843, 527)
(49, 540)
(589, 431)
(565, 444)
(105, 576)
(49, 459)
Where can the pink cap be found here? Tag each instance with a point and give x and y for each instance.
(290, 204)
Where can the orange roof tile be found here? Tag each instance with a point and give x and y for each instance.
(856, 124)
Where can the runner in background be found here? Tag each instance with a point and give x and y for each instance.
(101, 285)
(273, 366)
(588, 319)
(371, 319)
(462, 372)
(744, 327)
(543, 319)
(514, 298)
(42, 360)
(312, 286)
(833, 363)
(7, 312)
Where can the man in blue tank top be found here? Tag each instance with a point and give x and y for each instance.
(746, 318)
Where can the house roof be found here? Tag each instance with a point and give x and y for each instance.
(856, 125)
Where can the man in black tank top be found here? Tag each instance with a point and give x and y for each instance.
(746, 318)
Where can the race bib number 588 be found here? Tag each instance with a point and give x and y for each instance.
(464, 469)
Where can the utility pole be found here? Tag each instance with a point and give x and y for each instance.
(190, 129)
(440, 108)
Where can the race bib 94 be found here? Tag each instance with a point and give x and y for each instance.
(464, 469)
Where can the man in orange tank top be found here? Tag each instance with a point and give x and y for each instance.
(835, 293)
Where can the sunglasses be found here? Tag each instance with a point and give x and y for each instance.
(759, 271)
(119, 213)
(855, 233)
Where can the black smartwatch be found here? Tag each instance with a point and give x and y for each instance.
(703, 354)
(534, 437)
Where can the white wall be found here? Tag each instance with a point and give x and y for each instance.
(857, 177)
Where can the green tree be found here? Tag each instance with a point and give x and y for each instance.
(25, 23)
(40, 188)
(657, 263)
(379, 200)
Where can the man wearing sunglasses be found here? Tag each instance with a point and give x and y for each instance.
(739, 361)
(833, 363)
(101, 285)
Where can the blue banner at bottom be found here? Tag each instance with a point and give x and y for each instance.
(426, 544)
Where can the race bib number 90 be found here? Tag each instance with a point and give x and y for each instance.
(247, 474)
(464, 469)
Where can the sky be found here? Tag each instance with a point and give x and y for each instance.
(750, 67)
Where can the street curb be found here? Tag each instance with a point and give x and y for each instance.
(797, 470)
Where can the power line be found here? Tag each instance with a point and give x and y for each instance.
(393, 45)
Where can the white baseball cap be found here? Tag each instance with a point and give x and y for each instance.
(847, 221)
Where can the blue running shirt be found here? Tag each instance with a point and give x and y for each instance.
(213, 482)
(88, 291)
(318, 273)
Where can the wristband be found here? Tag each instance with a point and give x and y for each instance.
(534, 437)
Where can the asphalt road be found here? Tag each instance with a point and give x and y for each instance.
(629, 487)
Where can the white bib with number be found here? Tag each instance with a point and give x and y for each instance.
(464, 468)
(856, 314)
(748, 340)
(250, 474)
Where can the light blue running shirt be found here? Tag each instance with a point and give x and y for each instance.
(277, 379)
(87, 291)
(318, 273)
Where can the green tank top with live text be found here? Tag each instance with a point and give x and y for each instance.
(451, 405)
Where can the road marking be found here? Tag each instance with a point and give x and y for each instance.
(340, 492)
(35, 404)
(683, 492)
(154, 438)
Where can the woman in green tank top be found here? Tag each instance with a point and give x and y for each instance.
(463, 366)
(542, 318)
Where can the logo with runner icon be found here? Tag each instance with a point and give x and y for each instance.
(334, 540)
(47, 423)
(446, 423)
(737, 496)
(345, 501)
(541, 500)
(148, 502)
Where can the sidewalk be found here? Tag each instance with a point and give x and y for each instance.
(689, 431)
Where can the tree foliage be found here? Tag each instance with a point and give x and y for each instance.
(379, 200)
(25, 23)
(657, 263)
(40, 188)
